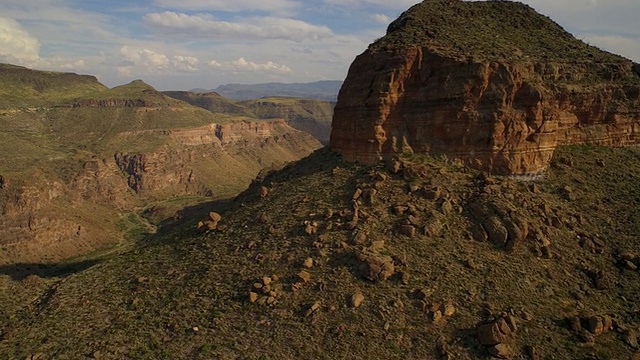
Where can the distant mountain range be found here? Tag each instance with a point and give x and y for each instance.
(320, 90)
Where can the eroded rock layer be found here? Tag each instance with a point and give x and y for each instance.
(494, 85)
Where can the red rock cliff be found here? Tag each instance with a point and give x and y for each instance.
(503, 111)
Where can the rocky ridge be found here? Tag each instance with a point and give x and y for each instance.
(493, 85)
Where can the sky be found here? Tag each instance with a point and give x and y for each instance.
(185, 44)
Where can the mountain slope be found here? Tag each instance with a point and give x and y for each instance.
(319, 90)
(187, 295)
(312, 116)
(20, 87)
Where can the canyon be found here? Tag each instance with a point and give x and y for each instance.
(78, 171)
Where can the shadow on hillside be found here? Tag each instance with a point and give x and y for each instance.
(21, 271)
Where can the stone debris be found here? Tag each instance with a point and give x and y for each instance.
(356, 300)
(599, 324)
(498, 336)
(312, 309)
(264, 191)
(308, 263)
(374, 267)
(211, 223)
(407, 230)
(304, 276)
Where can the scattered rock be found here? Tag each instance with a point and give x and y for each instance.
(313, 308)
(310, 228)
(264, 191)
(253, 297)
(380, 177)
(630, 338)
(394, 166)
(399, 210)
(375, 268)
(501, 351)
(448, 309)
(266, 280)
(533, 353)
(214, 216)
(446, 207)
(356, 300)
(377, 245)
(494, 333)
(304, 276)
(407, 230)
(436, 316)
(356, 194)
(599, 324)
(433, 227)
(404, 278)
(478, 233)
(629, 265)
(369, 196)
(308, 263)
(424, 294)
(434, 193)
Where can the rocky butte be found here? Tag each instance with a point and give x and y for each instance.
(490, 84)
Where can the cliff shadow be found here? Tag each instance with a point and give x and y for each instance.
(21, 271)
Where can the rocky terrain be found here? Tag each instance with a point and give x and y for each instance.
(79, 165)
(491, 84)
(419, 256)
(415, 258)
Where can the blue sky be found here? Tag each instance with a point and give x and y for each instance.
(184, 44)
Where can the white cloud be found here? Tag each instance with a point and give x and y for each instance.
(16, 44)
(381, 18)
(146, 61)
(270, 6)
(204, 26)
(242, 65)
(185, 63)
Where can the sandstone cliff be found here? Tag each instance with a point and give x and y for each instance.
(493, 85)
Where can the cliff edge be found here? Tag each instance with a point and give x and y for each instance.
(493, 85)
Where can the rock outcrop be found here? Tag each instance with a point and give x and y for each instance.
(493, 85)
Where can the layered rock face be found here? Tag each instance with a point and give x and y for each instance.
(493, 85)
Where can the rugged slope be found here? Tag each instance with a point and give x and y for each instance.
(436, 255)
(492, 84)
(312, 116)
(75, 171)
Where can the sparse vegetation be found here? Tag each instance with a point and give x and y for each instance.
(186, 295)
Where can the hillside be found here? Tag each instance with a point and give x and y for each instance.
(319, 90)
(308, 115)
(312, 116)
(487, 30)
(211, 101)
(432, 256)
(21, 87)
(77, 171)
